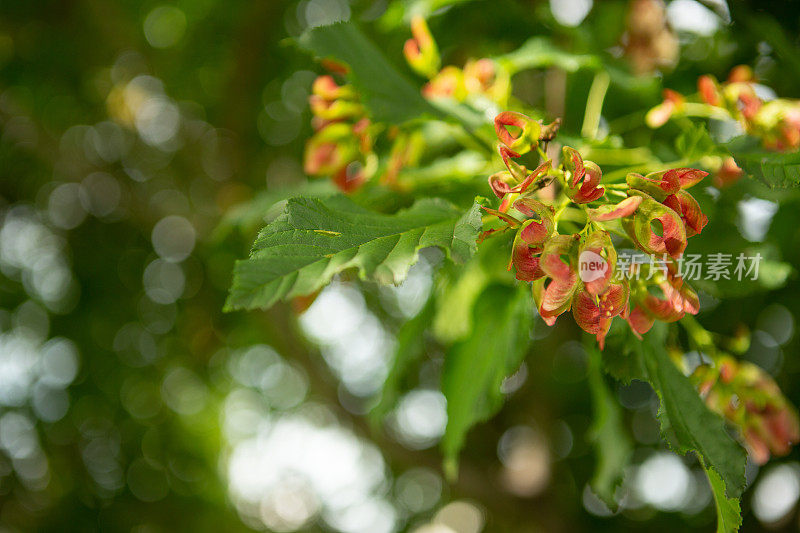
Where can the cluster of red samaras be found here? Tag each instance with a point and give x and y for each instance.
(748, 398)
(775, 122)
(342, 146)
(343, 143)
(342, 140)
(561, 266)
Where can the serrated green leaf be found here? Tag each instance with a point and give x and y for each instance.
(314, 239)
(267, 206)
(409, 348)
(729, 513)
(774, 169)
(474, 369)
(686, 423)
(388, 95)
(611, 442)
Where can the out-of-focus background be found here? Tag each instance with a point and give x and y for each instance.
(130, 130)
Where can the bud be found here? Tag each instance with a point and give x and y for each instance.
(649, 42)
(449, 83)
(741, 74)
(501, 183)
(653, 184)
(421, 51)
(537, 177)
(660, 114)
(749, 104)
(519, 172)
(708, 89)
(550, 131)
(536, 230)
(350, 177)
(329, 150)
(661, 184)
(337, 67)
(525, 260)
(334, 110)
(597, 261)
(528, 135)
(487, 78)
(406, 151)
(687, 207)
(557, 296)
(625, 208)
(327, 88)
(750, 399)
(671, 236)
(595, 313)
(572, 162)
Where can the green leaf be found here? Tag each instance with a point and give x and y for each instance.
(314, 239)
(772, 275)
(729, 517)
(686, 423)
(723, 235)
(612, 445)
(695, 143)
(459, 286)
(399, 13)
(621, 359)
(471, 119)
(248, 216)
(409, 348)
(539, 52)
(446, 171)
(776, 170)
(474, 369)
(456, 300)
(388, 95)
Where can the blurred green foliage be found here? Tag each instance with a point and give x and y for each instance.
(142, 146)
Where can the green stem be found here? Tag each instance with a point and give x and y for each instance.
(691, 109)
(557, 216)
(615, 231)
(572, 214)
(542, 153)
(627, 123)
(594, 104)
